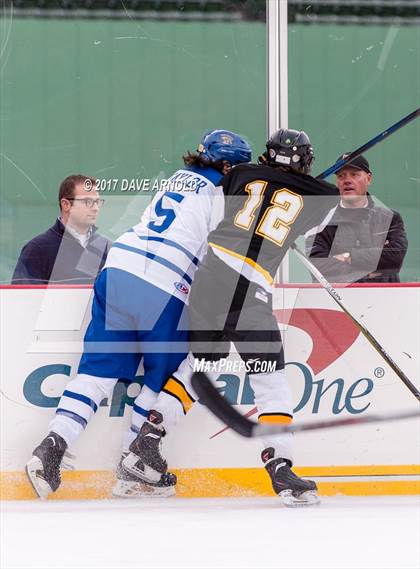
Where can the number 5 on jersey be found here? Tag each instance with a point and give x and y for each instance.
(277, 219)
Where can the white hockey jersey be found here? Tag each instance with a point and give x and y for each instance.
(170, 241)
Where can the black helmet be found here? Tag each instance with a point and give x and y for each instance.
(290, 148)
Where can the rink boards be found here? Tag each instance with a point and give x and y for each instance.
(332, 370)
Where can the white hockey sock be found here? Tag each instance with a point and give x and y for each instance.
(273, 401)
(144, 401)
(78, 404)
(177, 396)
(128, 438)
(171, 408)
(67, 428)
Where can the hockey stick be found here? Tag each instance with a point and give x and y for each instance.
(323, 281)
(224, 411)
(371, 339)
(218, 405)
(372, 142)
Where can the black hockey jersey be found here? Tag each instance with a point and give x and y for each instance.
(266, 209)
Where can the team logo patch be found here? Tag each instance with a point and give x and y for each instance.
(182, 288)
(226, 139)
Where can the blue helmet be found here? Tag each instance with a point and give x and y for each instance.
(224, 145)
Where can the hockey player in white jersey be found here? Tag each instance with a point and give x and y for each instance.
(139, 311)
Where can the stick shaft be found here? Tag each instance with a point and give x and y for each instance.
(371, 339)
(264, 430)
(372, 142)
(226, 413)
(220, 407)
(323, 281)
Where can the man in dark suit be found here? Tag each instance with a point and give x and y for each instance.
(71, 251)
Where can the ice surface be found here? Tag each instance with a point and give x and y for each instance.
(344, 532)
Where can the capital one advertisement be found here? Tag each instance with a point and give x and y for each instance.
(332, 370)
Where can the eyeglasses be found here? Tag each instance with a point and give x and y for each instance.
(89, 202)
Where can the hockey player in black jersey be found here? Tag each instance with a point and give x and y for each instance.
(267, 206)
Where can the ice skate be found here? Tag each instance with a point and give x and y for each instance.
(130, 486)
(144, 460)
(293, 490)
(43, 469)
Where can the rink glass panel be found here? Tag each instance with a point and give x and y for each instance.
(117, 100)
(124, 99)
(348, 83)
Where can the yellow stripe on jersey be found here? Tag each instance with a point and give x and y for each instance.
(275, 418)
(246, 260)
(175, 388)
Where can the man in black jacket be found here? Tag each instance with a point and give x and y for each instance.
(358, 241)
(71, 251)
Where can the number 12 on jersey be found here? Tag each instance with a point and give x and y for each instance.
(277, 219)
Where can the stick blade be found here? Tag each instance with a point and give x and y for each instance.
(218, 405)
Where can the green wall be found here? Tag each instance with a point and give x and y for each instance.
(125, 99)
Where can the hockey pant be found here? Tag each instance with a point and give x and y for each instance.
(131, 320)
